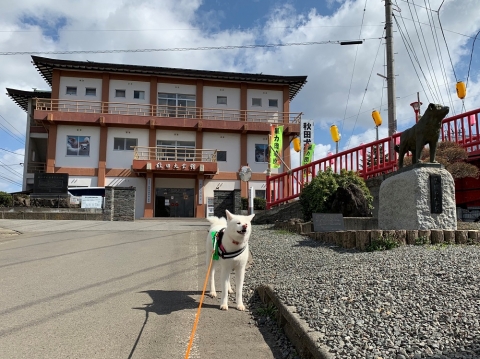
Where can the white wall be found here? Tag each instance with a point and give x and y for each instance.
(173, 88)
(123, 159)
(129, 86)
(229, 142)
(138, 183)
(81, 84)
(173, 135)
(219, 185)
(252, 140)
(174, 183)
(82, 181)
(265, 95)
(224, 112)
(61, 158)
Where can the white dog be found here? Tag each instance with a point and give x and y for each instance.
(232, 236)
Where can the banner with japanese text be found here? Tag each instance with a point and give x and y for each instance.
(276, 143)
(309, 151)
(306, 135)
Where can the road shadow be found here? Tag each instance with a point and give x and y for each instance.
(164, 302)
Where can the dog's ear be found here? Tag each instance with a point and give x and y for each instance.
(229, 215)
(432, 106)
(250, 217)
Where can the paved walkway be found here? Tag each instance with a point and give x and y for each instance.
(86, 289)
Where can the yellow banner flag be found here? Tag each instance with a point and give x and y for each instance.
(276, 143)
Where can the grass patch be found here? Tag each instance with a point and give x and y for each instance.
(382, 244)
(420, 241)
(283, 231)
(269, 310)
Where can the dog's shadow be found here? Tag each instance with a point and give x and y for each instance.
(164, 302)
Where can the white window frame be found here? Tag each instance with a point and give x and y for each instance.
(124, 143)
(220, 100)
(71, 88)
(272, 99)
(218, 151)
(139, 93)
(258, 99)
(124, 93)
(90, 88)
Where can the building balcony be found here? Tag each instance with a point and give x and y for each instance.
(178, 160)
(36, 167)
(162, 115)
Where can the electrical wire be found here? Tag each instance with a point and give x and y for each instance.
(471, 56)
(428, 62)
(12, 171)
(353, 70)
(424, 23)
(408, 52)
(440, 59)
(366, 88)
(202, 48)
(446, 44)
(15, 153)
(8, 123)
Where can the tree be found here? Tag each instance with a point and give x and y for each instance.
(453, 157)
(379, 156)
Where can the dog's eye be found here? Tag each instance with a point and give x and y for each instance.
(238, 223)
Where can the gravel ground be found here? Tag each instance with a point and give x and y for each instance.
(410, 302)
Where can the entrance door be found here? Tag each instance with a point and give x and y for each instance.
(174, 202)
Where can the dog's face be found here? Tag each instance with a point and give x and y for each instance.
(436, 111)
(239, 227)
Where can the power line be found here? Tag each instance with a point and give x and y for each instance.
(353, 70)
(423, 23)
(3, 149)
(186, 29)
(446, 44)
(202, 48)
(8, 122)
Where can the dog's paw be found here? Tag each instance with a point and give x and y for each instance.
(224, 307)
(241, 307)
(213, 294)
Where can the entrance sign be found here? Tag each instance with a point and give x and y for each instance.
(50, 184)
(149, 190)
(200, 191)
(92, 201)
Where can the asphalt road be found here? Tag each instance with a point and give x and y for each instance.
(85, 289)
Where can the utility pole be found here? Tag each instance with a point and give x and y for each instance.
(392, 118)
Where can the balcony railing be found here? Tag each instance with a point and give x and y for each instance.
(36, 167)
(119, 108)
(174, 154)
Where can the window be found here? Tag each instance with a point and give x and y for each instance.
(124, 144)
(260, 193)
(272, 103)
(78, 146)
(176, 105)
(221, 156)
(71, 90)
(221, 100)
(120, 93)
(90, 91)
(256, 102)
(261, 153)
(175, 150)
(140, 95)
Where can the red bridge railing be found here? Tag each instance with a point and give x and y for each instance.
(369, 160)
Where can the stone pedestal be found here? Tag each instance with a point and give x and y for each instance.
(405, 199)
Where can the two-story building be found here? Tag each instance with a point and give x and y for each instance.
(178, 136)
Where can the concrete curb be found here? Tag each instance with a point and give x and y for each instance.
(297, 330)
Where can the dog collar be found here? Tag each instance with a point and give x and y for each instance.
(220, 250)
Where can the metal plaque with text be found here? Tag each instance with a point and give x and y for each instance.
(436, 194)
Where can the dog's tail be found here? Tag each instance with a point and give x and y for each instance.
(215, 221)
(396, 148)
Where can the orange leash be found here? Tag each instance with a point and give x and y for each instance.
(197, 316)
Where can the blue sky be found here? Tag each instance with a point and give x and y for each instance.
(342, 87)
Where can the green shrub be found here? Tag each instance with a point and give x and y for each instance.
(317, 196)
(5, 199)
(382, 244)
(244, 203)
(259, 203)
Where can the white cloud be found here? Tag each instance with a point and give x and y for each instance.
(173, 23)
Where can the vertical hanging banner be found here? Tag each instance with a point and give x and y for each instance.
(309, 151)
(306, 135)
(276, 143)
